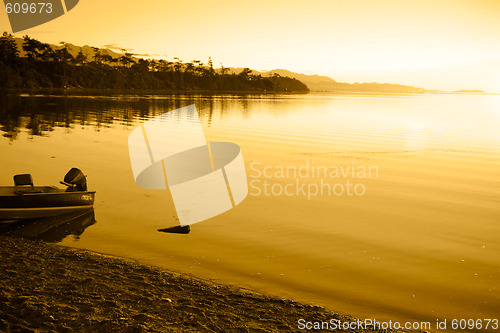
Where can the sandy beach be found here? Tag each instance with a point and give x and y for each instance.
(51, 288)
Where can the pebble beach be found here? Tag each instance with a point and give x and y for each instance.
(51, 288)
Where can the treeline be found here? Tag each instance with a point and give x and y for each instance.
(46, 67)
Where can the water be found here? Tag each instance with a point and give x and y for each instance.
(412, 234)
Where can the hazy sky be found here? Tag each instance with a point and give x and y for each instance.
(441, 44)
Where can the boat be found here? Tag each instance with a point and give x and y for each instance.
(26, 201)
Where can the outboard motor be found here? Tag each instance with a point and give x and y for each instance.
(75, 180)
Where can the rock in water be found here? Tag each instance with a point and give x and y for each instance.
(179, 229)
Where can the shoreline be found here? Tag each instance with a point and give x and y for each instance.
(158, 92)
(153, 92)
(52, 288)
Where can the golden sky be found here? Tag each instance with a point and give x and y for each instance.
(438, 44)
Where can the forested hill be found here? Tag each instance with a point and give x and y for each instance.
(34, 64)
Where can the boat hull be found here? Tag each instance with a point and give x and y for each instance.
(8, 215)
(47, 202)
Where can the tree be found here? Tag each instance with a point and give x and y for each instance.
(223, 70)
(32, 47)
(200, 67)
(154, 65)
(80, 58)
(47, 53)
(97, 55)
(190, 67)
(177, 64)
(107, 59)
(8, 47)
(211, 66)
(163, 65)
(246, 72)
(63, 54)
(113, 61)
(142, 65)
(126, 58)
(37, 50)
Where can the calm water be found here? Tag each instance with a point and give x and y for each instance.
(391, 209)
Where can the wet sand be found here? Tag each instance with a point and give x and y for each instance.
(50, 288)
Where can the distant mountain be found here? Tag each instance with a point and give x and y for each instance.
(325, 83)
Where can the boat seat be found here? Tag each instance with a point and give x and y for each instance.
(24, 184)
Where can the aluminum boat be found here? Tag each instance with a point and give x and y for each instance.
(26, 201)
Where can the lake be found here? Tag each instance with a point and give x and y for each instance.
(379, 206)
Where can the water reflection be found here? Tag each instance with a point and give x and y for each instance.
(41, 114)
(52, 229)
(434, 205)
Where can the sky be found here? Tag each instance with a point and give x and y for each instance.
(438, 44)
